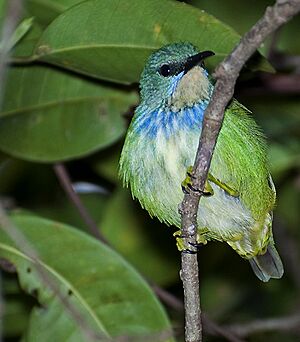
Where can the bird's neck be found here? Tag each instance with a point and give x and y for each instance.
(194, 87)
(184, 109)
(165, 121)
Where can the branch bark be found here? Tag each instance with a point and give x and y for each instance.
(226, 75)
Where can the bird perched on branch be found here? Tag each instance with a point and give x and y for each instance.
(161, 145)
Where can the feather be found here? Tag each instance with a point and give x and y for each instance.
(161, 144)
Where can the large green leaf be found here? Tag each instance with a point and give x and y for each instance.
(46, 10)
(106, 293)
(50, 115)
(111, 39)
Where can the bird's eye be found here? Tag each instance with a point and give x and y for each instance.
(165, 70)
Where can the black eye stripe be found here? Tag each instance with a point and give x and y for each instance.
(171, 69)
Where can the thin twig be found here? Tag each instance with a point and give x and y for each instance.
(66, 183)
(264, 325)
(225, 75)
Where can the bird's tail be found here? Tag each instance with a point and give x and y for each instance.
(268, 265)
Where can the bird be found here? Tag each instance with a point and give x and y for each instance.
(160, 147)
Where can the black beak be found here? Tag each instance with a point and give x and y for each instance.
(196, 60)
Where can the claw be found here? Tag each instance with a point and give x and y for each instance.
(187, 187)
(203, 193)
(184, 189)
(188, 251)
(182, 246)
(196, 245)
(189, 172)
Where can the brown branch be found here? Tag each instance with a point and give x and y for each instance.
(66, 183)
(225, 75)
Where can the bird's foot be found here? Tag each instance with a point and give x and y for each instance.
(184, 247)
(187, 186)
(228, 189)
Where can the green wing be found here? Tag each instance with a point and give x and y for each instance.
(240, 165)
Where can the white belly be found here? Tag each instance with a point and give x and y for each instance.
(166, 163)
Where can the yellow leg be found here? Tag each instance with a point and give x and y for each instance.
(225, 187)
(187, 184)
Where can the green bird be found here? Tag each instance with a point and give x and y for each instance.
(161, 145)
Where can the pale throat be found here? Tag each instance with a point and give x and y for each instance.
(191, 89)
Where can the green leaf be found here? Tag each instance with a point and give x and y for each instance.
(109, 296)
(49, 115)
(18, 34)
(111, 39)
(47, 10)
(26, 46)
(144, 242)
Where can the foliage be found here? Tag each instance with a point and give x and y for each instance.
(69, 95)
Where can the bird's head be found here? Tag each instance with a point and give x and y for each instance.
(174, 76)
